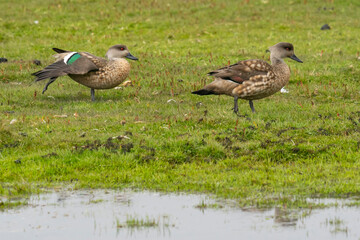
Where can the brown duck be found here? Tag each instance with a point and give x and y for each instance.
(253, 79)
(89, 70)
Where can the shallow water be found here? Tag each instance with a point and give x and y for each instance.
(98, 215)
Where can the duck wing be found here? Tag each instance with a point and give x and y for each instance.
(77, 63)
(242, 71)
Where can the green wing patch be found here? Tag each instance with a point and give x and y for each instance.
(73, 58)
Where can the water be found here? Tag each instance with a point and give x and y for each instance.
(103, 214)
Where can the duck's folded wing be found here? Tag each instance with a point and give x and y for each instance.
(242, 71)
(71, 63)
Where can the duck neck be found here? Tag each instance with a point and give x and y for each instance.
(275, 60)
(281, 69)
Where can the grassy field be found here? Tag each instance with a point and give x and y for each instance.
(155, 134)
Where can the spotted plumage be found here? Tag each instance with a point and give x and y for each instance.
(89, 70)
(252, 79)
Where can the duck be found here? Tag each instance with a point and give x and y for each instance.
(89, 70)
(252, 79)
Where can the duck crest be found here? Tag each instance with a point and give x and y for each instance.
(71, 58)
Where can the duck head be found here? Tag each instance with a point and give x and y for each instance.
(119, 51)
(283, 50)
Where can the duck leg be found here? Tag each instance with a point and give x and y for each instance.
(236, 108)
(252, 106)
(92, 91)
(48, 83)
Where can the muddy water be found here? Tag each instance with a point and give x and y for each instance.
(104, 214)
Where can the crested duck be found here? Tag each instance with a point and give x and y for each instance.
(253, 79)
(89, 70)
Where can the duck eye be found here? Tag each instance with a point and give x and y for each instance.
(122, 49)
(288, 49)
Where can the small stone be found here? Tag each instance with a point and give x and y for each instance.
(18, 161)
(199, 104)
(13, 121)
(283, 90)
(3, 59)
(325, 27)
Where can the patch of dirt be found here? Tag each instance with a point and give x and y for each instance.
(128, 133)
(295, 150)
(268, 124)
(112, 144)
(268, 143)
(148, 154)
(285, 130)
(226, 142)
(323, 131)
(354, 118)
(12, 145)
(328, 116)
(125, 148)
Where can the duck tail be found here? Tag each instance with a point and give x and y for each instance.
(58, 50)
(54, 70)
(203, 92)
(44, 74)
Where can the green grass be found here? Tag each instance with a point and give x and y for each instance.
(12, 204)
(338, 225)
(133, 222)
(305, 143)
(203, 205)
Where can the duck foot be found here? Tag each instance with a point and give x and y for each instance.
(252, 106)
(48, 83)
(92, 92)
(236, 108)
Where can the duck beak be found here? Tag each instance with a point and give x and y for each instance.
(129, 56)
(293, 57)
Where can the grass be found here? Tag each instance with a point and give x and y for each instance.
(136, 223)
(203, 205)
(338, 225)
(155, 134)
(11, 204)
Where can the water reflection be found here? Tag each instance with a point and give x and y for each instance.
(105, 214)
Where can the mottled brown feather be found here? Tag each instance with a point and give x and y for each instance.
(242, 71)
